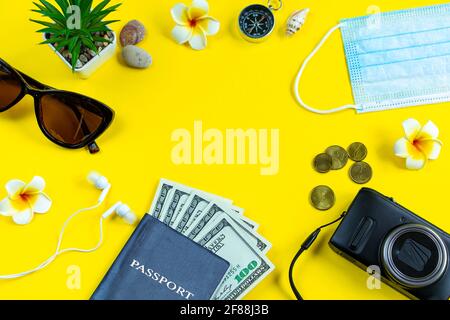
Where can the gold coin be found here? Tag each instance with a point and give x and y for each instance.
(339, 157)
(322, 198)
(357, 151)
(322, 163)
(361, 172)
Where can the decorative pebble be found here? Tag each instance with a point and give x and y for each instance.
(83, 58)
(79, 64)
(136, 57)
(66, 54)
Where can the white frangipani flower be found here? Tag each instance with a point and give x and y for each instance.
(24, 200)
(419, 145)
(193, 24)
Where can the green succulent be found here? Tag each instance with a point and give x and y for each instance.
(65, 32)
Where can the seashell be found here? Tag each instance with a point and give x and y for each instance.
(140, 29)
(296, 21)
(133, 33)
(129, 36)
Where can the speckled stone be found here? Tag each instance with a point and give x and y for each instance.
(136, 57)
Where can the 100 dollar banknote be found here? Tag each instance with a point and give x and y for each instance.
(248, 266)
(213, 212)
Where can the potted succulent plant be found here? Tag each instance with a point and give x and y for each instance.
(78, 32)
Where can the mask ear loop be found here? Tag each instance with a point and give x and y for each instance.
(302, 69)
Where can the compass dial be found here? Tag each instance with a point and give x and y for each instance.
(256, 21)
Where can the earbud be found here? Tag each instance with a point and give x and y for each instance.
(126, 214)
(101, 183)
(123, 211)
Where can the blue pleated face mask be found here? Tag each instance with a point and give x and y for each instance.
(395, 59)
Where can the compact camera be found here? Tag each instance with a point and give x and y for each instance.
(411, 253)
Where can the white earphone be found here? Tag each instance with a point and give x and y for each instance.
(122, 210)
(101, 183)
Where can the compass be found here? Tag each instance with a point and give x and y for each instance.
(256, 22)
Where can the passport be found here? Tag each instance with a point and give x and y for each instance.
(158, 263)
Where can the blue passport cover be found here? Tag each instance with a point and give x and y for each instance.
(158, 263)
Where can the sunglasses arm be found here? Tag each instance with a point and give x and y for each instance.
(93, 148)
(34, 83)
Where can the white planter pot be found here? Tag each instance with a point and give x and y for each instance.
(89, 68)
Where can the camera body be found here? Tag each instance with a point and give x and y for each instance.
(411, 253)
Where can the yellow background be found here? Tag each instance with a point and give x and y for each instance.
(231, 84)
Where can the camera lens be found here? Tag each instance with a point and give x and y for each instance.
(414, 256)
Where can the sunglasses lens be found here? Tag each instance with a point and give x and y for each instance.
(10, 87)
(69, 118)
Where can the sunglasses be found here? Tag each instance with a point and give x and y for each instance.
(68, 119)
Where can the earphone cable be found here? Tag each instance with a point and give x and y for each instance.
(305, 246)
(58, 250)
(66, 223)
(97, 246)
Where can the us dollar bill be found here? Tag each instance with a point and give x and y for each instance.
(165, 191)
(238, 210)
(160, 198)
(215, 211)
(166, 203)
(193, 207)
(252, 224)
(174, 205)
(248, 266)
(254, 227)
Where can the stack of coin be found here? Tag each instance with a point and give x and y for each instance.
(336, 158)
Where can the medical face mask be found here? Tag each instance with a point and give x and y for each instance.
(394, 59)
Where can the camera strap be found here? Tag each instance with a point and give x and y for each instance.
(305, 246)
